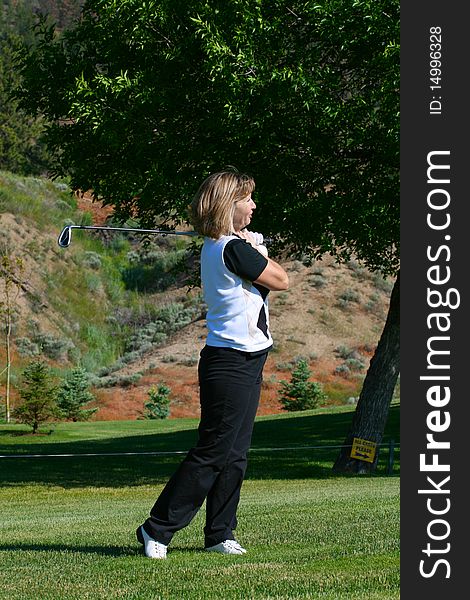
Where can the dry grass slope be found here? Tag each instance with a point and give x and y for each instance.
(332, 316)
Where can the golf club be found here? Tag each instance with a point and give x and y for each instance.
(65, 236)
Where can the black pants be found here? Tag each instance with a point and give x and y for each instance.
(230, 383)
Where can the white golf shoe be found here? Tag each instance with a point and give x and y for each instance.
(152, 548)
(227, 547)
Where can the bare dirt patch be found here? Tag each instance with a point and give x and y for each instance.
(98, 212)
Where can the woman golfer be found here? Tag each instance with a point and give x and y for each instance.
(236, 278)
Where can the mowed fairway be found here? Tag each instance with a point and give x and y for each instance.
(68, 524)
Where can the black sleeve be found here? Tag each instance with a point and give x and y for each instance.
(242, 259)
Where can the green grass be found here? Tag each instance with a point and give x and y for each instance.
(36, 198)
(67, 528)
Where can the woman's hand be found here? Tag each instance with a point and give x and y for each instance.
(255, 239)
(250, 237)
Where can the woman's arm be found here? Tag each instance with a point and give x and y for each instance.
(273, 277)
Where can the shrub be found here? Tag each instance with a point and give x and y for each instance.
(297, 265)
(167, 320)
(118, 243)
(150, 334)
(282, 297)
(358, 271)
(345, 352)
(51, 346)
(93, 282)
(116, 380)
(150, 269)
(300, 393)
(92, 260)
(355, 364)
(382, 283)
(190, 361)
(347, 297)
(317, 280)
(353, 360)
(285, 365)
(158, 406)
(169, 358)
(372, 303)
(343, 370)
(26, 347)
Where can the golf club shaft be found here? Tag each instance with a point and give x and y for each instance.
(132, 229)
(66, 233)
(65, 236)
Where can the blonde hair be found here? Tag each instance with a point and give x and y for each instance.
(213, 205)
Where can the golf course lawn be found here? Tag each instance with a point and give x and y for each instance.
(68, 523)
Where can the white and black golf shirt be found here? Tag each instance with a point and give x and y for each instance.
(237, 315)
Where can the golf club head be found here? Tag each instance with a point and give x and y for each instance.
(65, 237)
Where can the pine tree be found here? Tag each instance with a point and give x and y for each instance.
(38, 394)
(300, 393)
(74, 394)
(158, 407)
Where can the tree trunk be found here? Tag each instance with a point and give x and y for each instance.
(8, 349)
(373, 406)
(7, 395)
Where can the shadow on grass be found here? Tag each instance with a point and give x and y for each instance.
(130, 470)
(25, 434)
(111, 551)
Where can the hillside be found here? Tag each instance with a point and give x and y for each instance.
(116, 307)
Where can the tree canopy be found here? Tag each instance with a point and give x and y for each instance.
(147, 98)
(19, 151)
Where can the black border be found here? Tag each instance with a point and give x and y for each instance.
(421, 133)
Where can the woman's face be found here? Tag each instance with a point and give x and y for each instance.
(243, 213)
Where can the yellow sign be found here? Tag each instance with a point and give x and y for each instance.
(363, 450)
